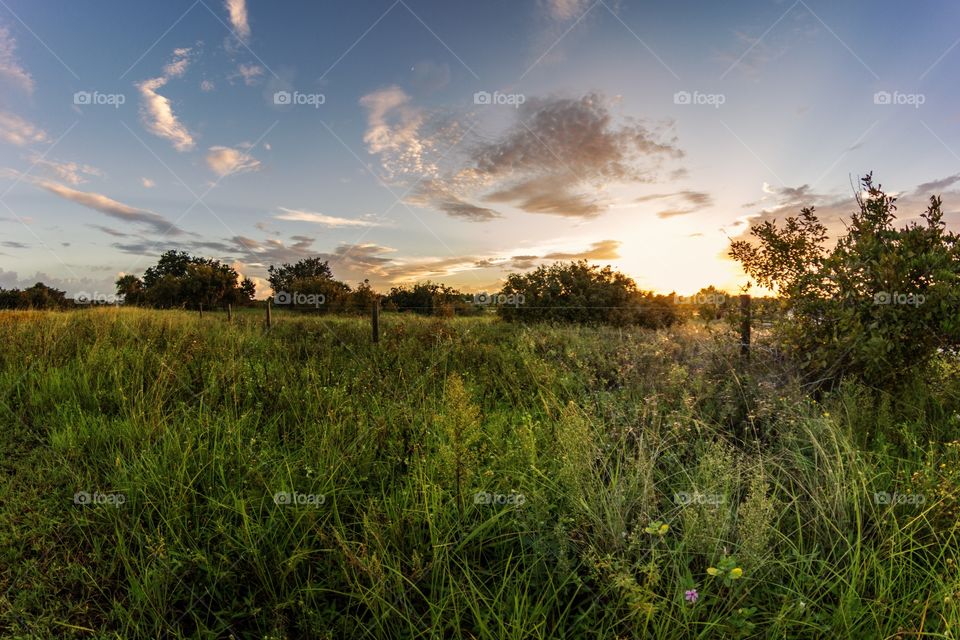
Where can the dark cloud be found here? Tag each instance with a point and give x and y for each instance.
(562, 150)
(934, 186)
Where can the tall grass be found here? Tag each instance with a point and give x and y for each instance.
(463, 478)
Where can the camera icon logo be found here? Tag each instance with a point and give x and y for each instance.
(82, 97)
(482, 97)
(282, 97)
(282, 297)
(82, 497)
(882, 97)
(681, 97)
(82, 297)
(881, 297)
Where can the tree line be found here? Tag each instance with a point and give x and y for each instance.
(564, 292)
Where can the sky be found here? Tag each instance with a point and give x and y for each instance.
(407, 140)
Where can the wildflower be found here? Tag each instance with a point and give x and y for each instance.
(713, 571)
(691, 595)
(658, 528)
(736, 573)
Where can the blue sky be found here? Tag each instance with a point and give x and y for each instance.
(638, 134)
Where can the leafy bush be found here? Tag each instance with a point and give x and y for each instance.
(585, 293)
(881, 302)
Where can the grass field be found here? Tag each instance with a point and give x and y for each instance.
(171, 476)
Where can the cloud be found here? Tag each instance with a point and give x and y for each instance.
(110, 231)
(10, 67)
(556, 159)
(237, 10)
(70, 172)
(393, 133)
(148, 183)
(567, 9)
(207, 85)
(930, 188)
(602, 250)
(250, 73)
(694, 200)
(563, 152)
(299, 215)
(156, 111)
(225, 161)
(433, 193)
(17, 131)
(110, 207)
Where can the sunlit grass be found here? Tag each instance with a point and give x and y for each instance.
(198, 424)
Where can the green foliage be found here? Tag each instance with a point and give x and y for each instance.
(180, 280)
(881, 302)
(429, 299)
(584, 293)
(39, 296)
(199, 424)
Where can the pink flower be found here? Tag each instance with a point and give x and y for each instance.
(691, 595)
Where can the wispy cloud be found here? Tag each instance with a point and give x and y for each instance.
(156, 111)
(225, 161)
(17, 131)
(692, 201)
(70, 172)
(237, 10)
(298, 215)
(251, 73)
(10, 67)
(110, 207)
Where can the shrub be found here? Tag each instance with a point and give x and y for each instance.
(881, 302)
(580, 292)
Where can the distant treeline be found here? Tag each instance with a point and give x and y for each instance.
(564, 292)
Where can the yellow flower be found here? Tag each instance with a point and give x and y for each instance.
(736, 573)
(713, 571)
(663, 529)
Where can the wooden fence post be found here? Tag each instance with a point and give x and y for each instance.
(745, 326)
(268, 314)
(229, 313)
(375, 319)
(201, 310)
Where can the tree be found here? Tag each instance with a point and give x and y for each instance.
(878, 304)
(181, 280)
(39, 296)
(130, 289)
(282, 278)
(585, 293)
(430, 299)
